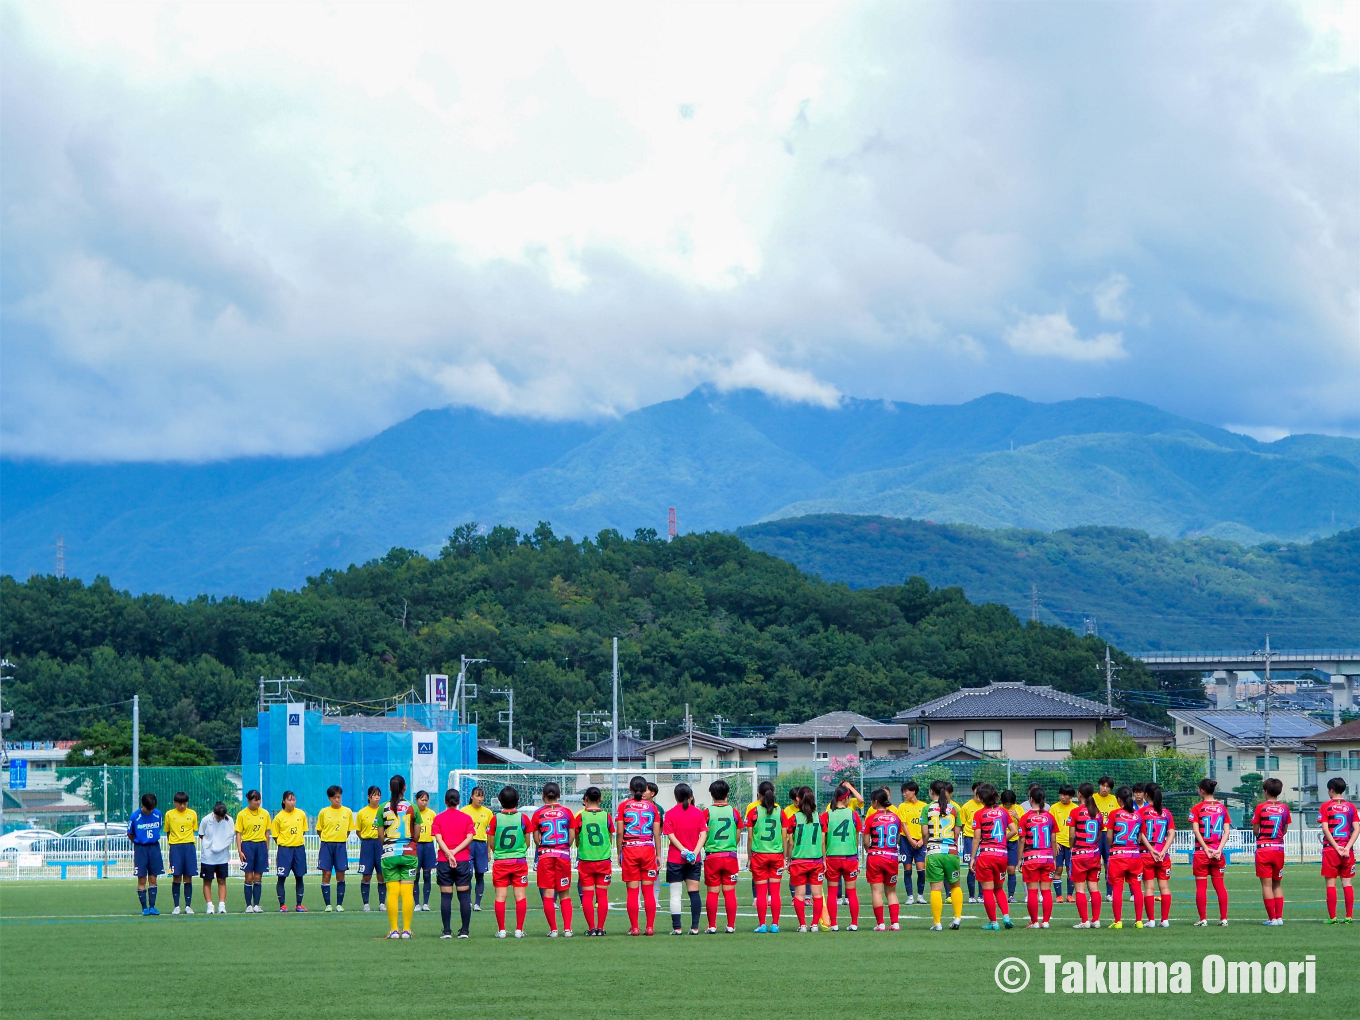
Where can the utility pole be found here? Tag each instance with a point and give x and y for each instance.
(1266, 770)
(61, 556)
(718, 721)
(460, 689)
(1034, 602)
(136, 756)
(507, 716)
(1109, 679)
(652, 724)
(614, 733)
(689, 732)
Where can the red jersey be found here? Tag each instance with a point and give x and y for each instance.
(552, 822)
(637, 820)
(687, 824)
(454, 826)
(1340, 816)
(1085, 828)
(1038, 832)
(1212, 816)
(990, 825)
(884, 829)
(1273, 818)
(1124, 827)
(1157, 826)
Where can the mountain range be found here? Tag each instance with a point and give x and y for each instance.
(722, 460)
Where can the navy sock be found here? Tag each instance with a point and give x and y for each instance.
(326, 893)
(426, 900)
(465, 907)
(972, 886)
(188, 892)
(248, 889)
(141, 895)
(695, 909)
(174, 892)
(340, 892)
(363, 891)
(920, 883)
(258, 892)
(279, 888)
(151, 895)
(481, 884)
(382, 894)
(298, 890)
(1010, 886)
(446, 909)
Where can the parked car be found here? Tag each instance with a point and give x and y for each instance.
(26, 841)
(98, 829)
(92, 837)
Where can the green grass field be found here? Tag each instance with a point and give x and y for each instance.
(81, 949)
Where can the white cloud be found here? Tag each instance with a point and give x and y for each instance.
(1054, 336)
(1261, 433)
(1108, 297)
(753, 370)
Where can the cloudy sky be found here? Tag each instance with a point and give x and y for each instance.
(278, 228)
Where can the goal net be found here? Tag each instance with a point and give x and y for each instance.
(612, 783)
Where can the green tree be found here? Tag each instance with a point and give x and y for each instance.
(1106, 745)
(104, 744)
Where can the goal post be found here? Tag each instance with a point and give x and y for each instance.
(612, 783)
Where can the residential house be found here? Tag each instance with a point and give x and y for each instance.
(1150, 738)
(900, 767)
(689, 751)
(836, 735)
(1234, 742)
(602, 752)
(1337, 755)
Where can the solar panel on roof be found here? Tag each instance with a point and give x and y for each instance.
(1250, 724)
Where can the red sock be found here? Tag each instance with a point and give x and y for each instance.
(588, 907)
(634, 895)
(816, 910)
(833, 902)
(989, 901)
(730, 901)
(712, 906)
(878, 914)
(762, 896)
(1350, 900)
(550, 912)
(500, 914)
(1081, 905)
(1166, 906)
(1138, 903)
(853, 893)
(1032, 904)
(1270, 907)
(1221, 891)
(566, 913)
(894, 912)
(649, 904)
(1202, 898)
(1095, 904)
(774, 902)
(1046, 895)
(601, 906)
(1117, 901)
(1003, 903)
(800, 908)
(1279, 907)
(521, 912)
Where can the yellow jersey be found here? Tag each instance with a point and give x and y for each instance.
(1105, 803)
(180, 826)
(970, 807)
(289, 827)
(1016, 815)
(911, 817)
(253, 825)
(426, 820)
(481, 818)
(334, 825)
(366, 822)
(1060, 811)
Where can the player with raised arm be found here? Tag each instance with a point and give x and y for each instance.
(882, 836)
(765, 848)
(940, 829)
(1270, 821)
(1085, 823)
(843, 826)
(1340, 834)
(508, 835)
(684, 828)
(1126, 856)
(639, 825)
(401, 831)
(1159, 828)
(593, 834)
(804, 845)
(551, 825)
(1039, 837)
(1209, 822)
(720, 856)
(992, 827)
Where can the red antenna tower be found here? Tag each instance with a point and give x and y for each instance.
(670, 524)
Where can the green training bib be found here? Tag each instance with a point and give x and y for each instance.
(842, 839)
(807, 838)
(767, 834)
(593, 844)
(510, 840)
(722, 830)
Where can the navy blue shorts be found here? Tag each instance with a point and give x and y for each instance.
(333, 857)
(1062, 856)
(208, 872)
(1013, 854)
(370, 856)
(477, 850)
(457, 874)
(183, 859)
(684, 871)
(427, 856)
(909, 854)
(256, 853)
(291, 859)
(967, 853)
(146, 860)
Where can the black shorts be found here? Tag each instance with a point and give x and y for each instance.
(684, 871)
(208, 872)
(453, 874)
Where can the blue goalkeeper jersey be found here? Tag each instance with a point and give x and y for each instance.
(145, 827)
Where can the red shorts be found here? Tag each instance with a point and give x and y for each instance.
(594, 872)
(767, 867)
(990, 867)
(1085, 868)
(638, 863)
(1154, 869)
(720, 869)
(1336, 866)
(1125, 868)
(881, 870)
(842, 867)
(510, 872)
(1269, 862)
(1202, 865)
(808, 872)
(1037, 870)
(553, 872)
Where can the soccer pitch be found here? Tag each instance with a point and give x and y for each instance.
(81, 949)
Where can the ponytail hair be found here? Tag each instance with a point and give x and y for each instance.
(1037, 796)
(941, 796)
(881, 800)
(397, 784)
(1153, 792)
(1125, 797)
(1087, 793)
(807, 803)
(637, 787)
(684, 796)
(767, 800)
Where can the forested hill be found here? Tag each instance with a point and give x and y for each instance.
(1143, 592)
(703, 619)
